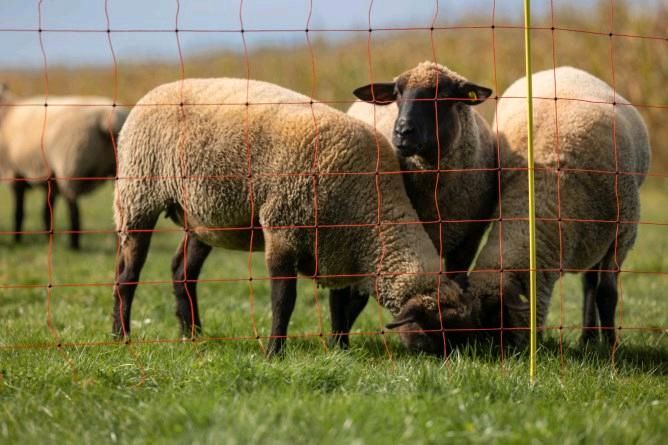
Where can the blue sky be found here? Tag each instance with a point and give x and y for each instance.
(21, 48)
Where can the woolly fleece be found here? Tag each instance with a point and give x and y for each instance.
(593, 136)
(240, 154)
(76, 141)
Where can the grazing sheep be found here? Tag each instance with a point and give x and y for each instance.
(73, 144)
(242, 165)
(589, 170)
(448, 152)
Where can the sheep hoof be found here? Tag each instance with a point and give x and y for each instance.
(275, 348)
(589, 337)
(190, 333)
(118, 333)
(339, 340)
(611, 339)
(120, 337)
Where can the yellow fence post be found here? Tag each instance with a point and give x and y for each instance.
(532, 195)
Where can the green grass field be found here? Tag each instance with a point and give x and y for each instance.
(223, 391)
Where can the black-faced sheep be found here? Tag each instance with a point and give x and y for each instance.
(591, 158)
(447, 149)
(242, 164)
(67, 140)
(449, 155)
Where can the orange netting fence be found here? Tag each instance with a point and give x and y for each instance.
(492, 26)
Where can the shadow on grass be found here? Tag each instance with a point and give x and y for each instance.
(629, 358)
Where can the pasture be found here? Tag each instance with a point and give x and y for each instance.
(64, 379)
(222, 390)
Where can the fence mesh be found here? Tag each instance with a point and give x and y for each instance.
(238, 282)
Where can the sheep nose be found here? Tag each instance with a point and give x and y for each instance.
(403, 128)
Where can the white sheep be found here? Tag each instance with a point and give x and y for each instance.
(66, 140)
(591, 158)
(243, 164)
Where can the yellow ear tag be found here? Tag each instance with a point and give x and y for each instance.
(473, 95)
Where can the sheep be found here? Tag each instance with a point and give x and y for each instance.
(248, 165)
(591, 158)
(445, 136)
(62, 141)
(449, 153)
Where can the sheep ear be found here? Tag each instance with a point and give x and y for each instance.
(400, 322)
(472, 94)
(377, 93)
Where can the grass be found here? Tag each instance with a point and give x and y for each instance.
(218, 391)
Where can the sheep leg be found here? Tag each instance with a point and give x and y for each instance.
(19, 188)
(339, 304)
(515, 326)
(186, 267)
(345, 306)
(606, 301)
(460, 258)
(75, 224)
(282, 270)
(517, 311)
(132, 257)
(49, 206)
(358, 302)
(590, 330)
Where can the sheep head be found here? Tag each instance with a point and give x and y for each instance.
(425, 321)
(429, 98)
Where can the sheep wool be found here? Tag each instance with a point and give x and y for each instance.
(231, 157)
(587, 214)
(76, 142)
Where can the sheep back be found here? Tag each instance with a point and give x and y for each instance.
(588, 139)
(232, 153)
(581, 141)
(67, 139)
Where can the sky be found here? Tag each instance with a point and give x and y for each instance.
(144, 29)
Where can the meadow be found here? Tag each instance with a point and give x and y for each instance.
(64, 379)
(222, 390)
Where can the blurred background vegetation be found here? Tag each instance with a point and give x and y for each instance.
(329, 71)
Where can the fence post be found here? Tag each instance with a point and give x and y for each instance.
(532, 194)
